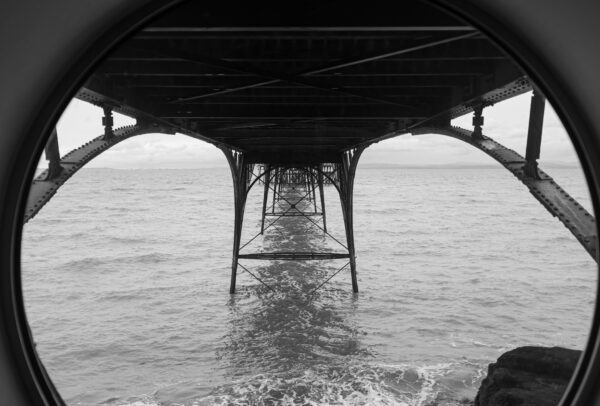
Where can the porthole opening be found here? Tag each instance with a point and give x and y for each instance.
(406, 209)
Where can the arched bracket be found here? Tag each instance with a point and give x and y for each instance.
(555, 199)
(43, 187)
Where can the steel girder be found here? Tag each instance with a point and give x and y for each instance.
(43, 187)
(307, 178)
(555, 199)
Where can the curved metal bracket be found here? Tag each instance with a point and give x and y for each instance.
(555, 199)
(44, 187)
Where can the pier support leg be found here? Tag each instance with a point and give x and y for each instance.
(347, 171)
(239, 172)
(267, 182)
(275, 186)
(534, 134)
(322, 196)
(53, 156)
(306, 188)
(304, 181)
(280, 180)
(313, 191)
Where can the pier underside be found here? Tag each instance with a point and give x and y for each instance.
(292, 94)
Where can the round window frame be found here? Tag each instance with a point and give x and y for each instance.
(31, 384)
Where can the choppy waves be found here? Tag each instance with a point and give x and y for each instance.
(362, 384)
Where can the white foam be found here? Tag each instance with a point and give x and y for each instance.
(345, 385)
(142, 400)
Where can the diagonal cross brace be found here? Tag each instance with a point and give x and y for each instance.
(298, 78)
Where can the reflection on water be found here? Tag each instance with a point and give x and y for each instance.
(288, 330)
(292, 346)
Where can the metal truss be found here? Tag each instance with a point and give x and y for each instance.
(60, 169)
(292, 192)
(554, 198)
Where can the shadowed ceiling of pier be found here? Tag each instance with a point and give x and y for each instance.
(303, 81)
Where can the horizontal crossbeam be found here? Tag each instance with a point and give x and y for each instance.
(286, 214)
(307, 29)
(294, 256)
(405, 81)
(278, 111)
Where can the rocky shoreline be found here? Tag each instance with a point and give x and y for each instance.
(536, 376)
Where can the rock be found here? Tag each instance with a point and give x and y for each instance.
(536, 376)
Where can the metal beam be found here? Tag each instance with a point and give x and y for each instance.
(284, 214)
(555, 199)
(43, 188)
(321, 85)
(406, 50)
(289, 112)
(274, 135)
(219, 46)
(274, 146)
(402, 91)
(294, 256)
(347, 171)
(534, 133)
(149, 60)
(478, 121)
(273, 78)
(240, 177)
(492, 93)
(293, 156)
(322, 195)
(143, 115)
(269, 29)
(107, 122)
(388, 69)
(267, 182)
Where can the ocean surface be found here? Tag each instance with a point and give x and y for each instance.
(126, 285)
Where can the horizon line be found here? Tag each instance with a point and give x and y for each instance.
(365, 165)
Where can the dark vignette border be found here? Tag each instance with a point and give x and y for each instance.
(38, 386)
(15, 331)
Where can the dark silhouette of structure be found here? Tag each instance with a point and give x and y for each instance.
(293, 104)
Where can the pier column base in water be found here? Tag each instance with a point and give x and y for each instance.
(322, 195)
(294, 189)
(267, 184)
(239, 173)
(347, 171)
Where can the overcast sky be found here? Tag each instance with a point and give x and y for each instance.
(506, 122)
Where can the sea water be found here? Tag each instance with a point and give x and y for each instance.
(126, 285)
